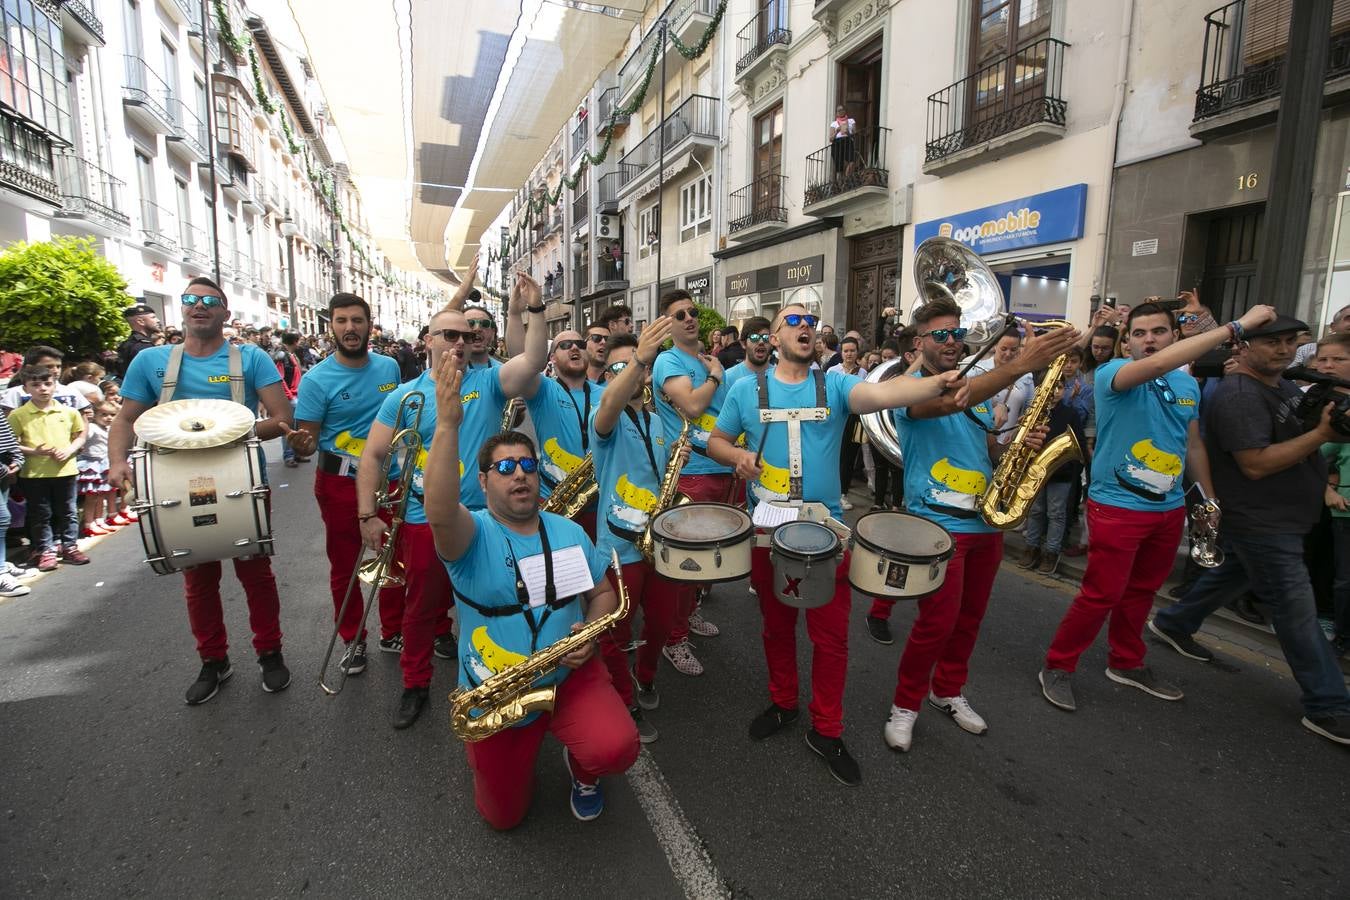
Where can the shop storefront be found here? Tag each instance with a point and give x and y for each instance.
(1028, 242)
(811, 270)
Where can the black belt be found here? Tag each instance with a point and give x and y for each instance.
(331, 463)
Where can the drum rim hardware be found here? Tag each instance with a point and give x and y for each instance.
(685, 543)
(938, 556)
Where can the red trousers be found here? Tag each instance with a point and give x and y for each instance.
(702, 489)
(586, 519)
(201, 586)
(659, 600)
(588, 719)
(427, 588)
(826, 626)
(342, 539)
(882, 607)
(937, 654)
(1130, 554)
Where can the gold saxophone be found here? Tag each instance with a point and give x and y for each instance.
(669, 494)
(575, 492)
(1022, 472)
(509, 696)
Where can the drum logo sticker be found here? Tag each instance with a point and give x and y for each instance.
(201, 490)
(199, 521)
(690, 565)
(896, 575)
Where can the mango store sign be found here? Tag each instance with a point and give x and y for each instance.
(1046, 218)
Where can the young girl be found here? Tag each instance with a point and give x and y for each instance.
(100, 504)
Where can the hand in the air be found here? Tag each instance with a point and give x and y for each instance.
(449, 402)
(651, 339)
(1039, 350)
(529, 292)
(1258, 315)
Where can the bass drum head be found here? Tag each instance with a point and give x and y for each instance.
(805, 540)
(194, 424)
(695, 525)
(904, 536)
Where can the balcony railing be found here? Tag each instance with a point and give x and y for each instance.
(191, 131)
(605, 106)
(144, 89)
(1020, 90)
(158, 226)
(847, 165)
(581, 136)
(758, 202)
(1235, 72)
(82, 14)
(609, 272)
(677, 13)
(581, 208)
(89, 192)
(581, 279)
(26, 160)
(695, 117)
(194, 244)
(767, 28)
(607, 193)
(192, 10)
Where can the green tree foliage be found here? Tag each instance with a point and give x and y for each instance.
(61, 293)
(709, 320)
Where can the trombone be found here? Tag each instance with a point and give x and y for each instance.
(381, 570)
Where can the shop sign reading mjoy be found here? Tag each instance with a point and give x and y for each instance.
(1046, 218)
(810, 270)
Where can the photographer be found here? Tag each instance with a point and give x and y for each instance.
(1270, 480)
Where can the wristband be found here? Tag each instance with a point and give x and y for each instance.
(367, 517)
(716, 379)
(535, 309)
(1237, 330)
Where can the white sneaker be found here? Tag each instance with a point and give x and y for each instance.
(701, 626)
(682, 657)
(958, 708)
(844, 503)
(899, 731)
(10, 587)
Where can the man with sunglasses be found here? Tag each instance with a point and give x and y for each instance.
(616, 320)
(486, 390)
(597, 352)
(1270, 479)
(689, 385)
(781, 448)
(755, 336)
(205, 363)
(1147, 435)
(524, 580)
(561, 411)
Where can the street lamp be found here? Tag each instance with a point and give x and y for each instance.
(288, 231)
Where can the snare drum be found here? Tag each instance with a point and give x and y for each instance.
(702, 542)
(804, 556)
(899, 555)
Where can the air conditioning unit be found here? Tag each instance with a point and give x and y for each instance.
(604, 225)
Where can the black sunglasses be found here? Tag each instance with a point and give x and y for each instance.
(210, 301)
(452, 334)
(505, 466)
(598, 338)
(795, 319)
(940, 335)
(683, 314)
(569, 345)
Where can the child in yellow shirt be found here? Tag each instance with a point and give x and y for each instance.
(49, 436)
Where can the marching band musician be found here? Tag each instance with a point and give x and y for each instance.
(338, 399)
(948, 465)
(632, 450)
(690, 385)
(205, 372)
(1147, 435)
(561, 412)
(794, 385)
(505, 615)
(597, 350)
(755, 334)
(486, 390)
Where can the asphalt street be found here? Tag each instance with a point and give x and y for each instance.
(112, 786)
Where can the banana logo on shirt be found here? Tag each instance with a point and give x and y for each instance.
(1147, 471)
(558, 463)
(773, 482)
(634, 505)
(953, 490)
(352, 446)
(701, 429)
(492, 656)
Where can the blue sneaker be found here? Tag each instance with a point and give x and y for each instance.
(588, 801)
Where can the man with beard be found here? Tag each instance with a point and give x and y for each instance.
(597, 351)
(948, 462)
(561, 410)
(206, 366)
(616, 320)
(486, 390)
(338, 399)
(783, 449)
(755, 336)
(144, 333)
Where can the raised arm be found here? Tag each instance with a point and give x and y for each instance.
(520, 374)
(461, 295)
(624, 385)
(1138, 371)
(867, 397)
(452, 527)
(1038, 351)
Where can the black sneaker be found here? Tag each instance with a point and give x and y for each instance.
(392, 644)
(648, 697)
(354, 660)
(1144, 679)
(647, 732)
(275, 676)
(446, 647)
(771, 721)
(880, 630)
(214, 672)
(1333, 728)
(410, 706)
(1184, 644)
(842, 766)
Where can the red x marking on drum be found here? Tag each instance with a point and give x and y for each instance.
(790, 586)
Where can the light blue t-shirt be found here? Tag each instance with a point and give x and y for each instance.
(1141, 439)
(741, 370)
(199, 377)
(629, 479)
(426, 429)
(344, 400)
(671, 364)
(561, 417)
(947, 466)
(485, 577)
(820, 440)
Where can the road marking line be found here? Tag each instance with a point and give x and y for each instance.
(689, 861)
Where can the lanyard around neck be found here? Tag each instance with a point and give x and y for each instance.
(582, 418)
(646, 438)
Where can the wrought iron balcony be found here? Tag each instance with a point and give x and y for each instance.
(609, 275)
(694, 120)
(846, 170)
(147, 97)
(581, 136)
(607, 194)
(1242, 77)
(26, 163)
(766, 30)
(605, 106)
(758, 208)
(91, 193)
(190, 135)
(82, 15)
(194, 245)
(192, 11)
(1023, 90)
(687, 19)
(581, 208)
(159, 227)
(581, 279)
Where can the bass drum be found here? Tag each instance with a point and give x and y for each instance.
(704, 543)
(899, 555)
(804, 556)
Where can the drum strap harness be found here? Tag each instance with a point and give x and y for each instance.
(522, 605)
(794, 419)
(176, 363)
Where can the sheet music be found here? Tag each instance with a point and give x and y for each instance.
(571, 574)
(769, 516)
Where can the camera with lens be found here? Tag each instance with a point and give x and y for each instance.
(1323, 391)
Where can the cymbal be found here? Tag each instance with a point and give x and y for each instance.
(194, 424)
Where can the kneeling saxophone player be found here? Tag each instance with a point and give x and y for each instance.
(521, 577)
